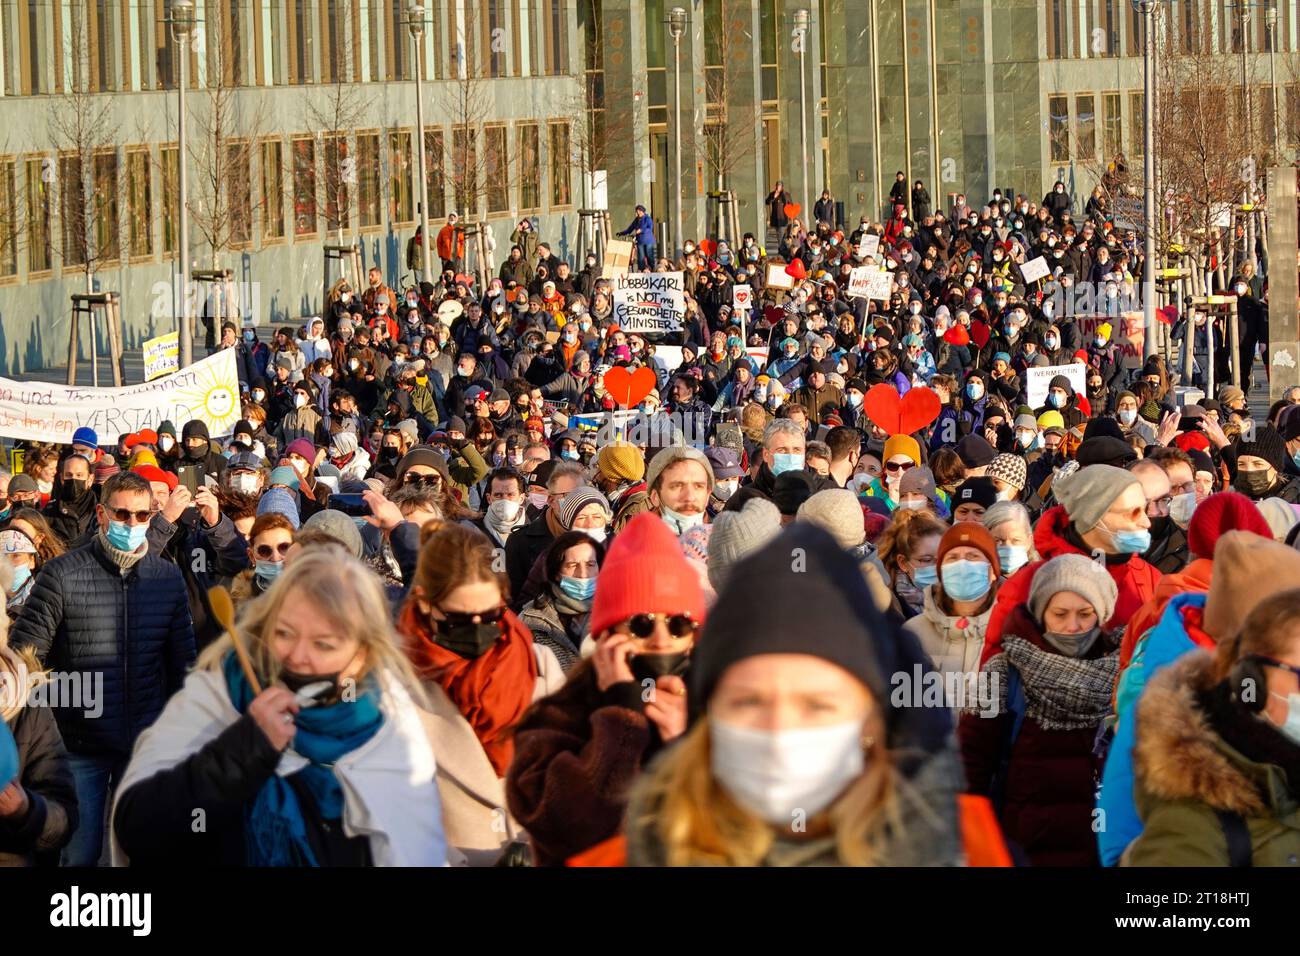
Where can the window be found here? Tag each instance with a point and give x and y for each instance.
(229, 50)
(465, 171)
(435, 172)
(1108, 23)
(1057, 29)
(1058, 109)
(657, 62)
(33, 41)
(139, 191)
(555, 32)
(1112, 126)
(1137, 132)
(304, 185)
(334, 49)
(340, 171)
(398, 39)
(72, 210)
(170, 198)
(769, 40)
(8, 217)
(300, 70)
(400, 208)
(272, 189)
(525, 38)
(1188, 30)
(497, 169)
(1136, 31)
(1084, 108)
(530, 167)
(267, 29)
(494, 37)
(107, 244)
(239, 193)
(561, 161)
(40, 173)
(369, 204)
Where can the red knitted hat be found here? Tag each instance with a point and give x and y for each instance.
(154, 473)
(645, 572)
(1193, 440)
(1226, 511)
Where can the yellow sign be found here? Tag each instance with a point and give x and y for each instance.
(162, 356)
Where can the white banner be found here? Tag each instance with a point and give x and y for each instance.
(649, 301)
(1037, 380)
(1034, 269)
(207, 390)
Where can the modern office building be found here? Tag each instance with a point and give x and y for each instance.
(302, 118)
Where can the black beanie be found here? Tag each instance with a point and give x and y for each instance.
(974, 451)
(790, 490)
(1267, 444)
(825, 610)
(977, 491)
(195, 428)
(1103, 427)
(1105, 450)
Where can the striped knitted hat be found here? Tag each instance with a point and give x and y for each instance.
(568, 507)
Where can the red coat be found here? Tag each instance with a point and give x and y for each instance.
(1135, 579)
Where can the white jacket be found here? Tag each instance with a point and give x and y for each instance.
(390, 790)
(953, 649)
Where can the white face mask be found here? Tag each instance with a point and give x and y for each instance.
(1181, 508)
(725, 489)
(596, 534)
(166, 443)
(775, 774)
(680, 523)
(505, 511)
(245, 483)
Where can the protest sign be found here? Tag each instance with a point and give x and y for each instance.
(1037, 380)
(618, 257)
(669, 356)
(868, 245)
(777, 277)
(1128, 213)
(649, 302)
(860, 282)
(742, 297)
(207, 390)
(1126, 331)
(1033, 270)
(876, 284)
(161, 356)
(759, 355)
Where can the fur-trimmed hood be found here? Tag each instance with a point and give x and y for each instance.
(1179, 756)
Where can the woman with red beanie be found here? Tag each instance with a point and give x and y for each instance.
(578, 751)
(482, 671)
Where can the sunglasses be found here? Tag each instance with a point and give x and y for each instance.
(265, 551)
(454, 619)
(428, 481)
(900, 466)
(643, 625)
(125, 514)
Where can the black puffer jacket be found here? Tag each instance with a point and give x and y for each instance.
(36, 837)
(84, 615)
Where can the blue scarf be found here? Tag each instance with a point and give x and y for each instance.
(275, 830)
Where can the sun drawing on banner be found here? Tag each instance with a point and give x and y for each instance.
(211, 399)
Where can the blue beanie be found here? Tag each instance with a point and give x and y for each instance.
(8, 756)
(279, 501)
(85, 436)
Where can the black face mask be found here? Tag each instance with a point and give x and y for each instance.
(467, 640)
(72, 488)
(1160, 526)
(296, 682)
(1255, 485)
(197, 453)
(653, 666)
(389, 454)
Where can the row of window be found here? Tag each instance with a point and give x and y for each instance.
(108, 200)
(53, 46)
(1085, 29)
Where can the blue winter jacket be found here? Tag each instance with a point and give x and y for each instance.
(1163, 644)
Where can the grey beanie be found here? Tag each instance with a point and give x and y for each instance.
(1088, 494)
(737, 534)
(1079, 575)
(837, 511)
(340, 527)
(918, 480)
(566, 510)
(671, 455)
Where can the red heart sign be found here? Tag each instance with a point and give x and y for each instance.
(708, 247)
(741, 297)
(901, 416)
(792, 209)
(797, 270)
(628, 388)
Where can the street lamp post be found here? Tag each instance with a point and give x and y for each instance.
(677, 26)
(801, 35)
(182, 22)
(1147, 9)
(1270, 21)
(415, 24)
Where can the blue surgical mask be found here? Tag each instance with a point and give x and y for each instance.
(855, 399)
(21, 573)
(126, 537)
(925, 575)
(1130, 541)
(1292, 725)
(1295, 457)
(570, 453)
(1012, 557)
(1099, 341)
(267, 571)
(678, 522)
(1127, 416)
(783, 463)
(1056, 400)
(580, 589)
(966, 580)
(974, 391)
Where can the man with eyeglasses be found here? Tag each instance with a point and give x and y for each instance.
(1168, 551)
(92, 612)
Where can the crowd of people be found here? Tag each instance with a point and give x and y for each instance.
(832, 591)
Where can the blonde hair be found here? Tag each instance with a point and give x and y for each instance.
(346, 592)
(903, 534)
(699, 824)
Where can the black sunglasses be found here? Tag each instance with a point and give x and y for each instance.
(455, 619)
(643, 625)
(428, 481)
(125, 514)
(265, 551)
(900, 466)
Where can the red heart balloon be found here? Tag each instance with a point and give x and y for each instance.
(708, 247)
(797, 270)
(901, 416)
(627, 388)
(792, 209)
(979, 333)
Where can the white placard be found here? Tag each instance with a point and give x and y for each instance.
(868, 245)
(859, 282)
(1034, 269)
(1037, 380)
(742, 297)
(649, 301)
(777, 277)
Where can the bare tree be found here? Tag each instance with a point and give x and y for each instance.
(83, 134)
(727, 138)
(335, 114)
(466, 100)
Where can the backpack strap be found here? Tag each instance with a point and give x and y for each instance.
(1235, 831)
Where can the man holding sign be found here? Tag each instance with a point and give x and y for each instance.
(1057, 388)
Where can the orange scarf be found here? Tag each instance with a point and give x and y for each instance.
(492, 691)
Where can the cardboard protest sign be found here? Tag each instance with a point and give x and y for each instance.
(161, 355)
(618, 258)
(777, 277)
(1033, 270)
(649, 302)
(877, 284)
(1037, 380)
(207, 390)
(868, 245)
(860, 282)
